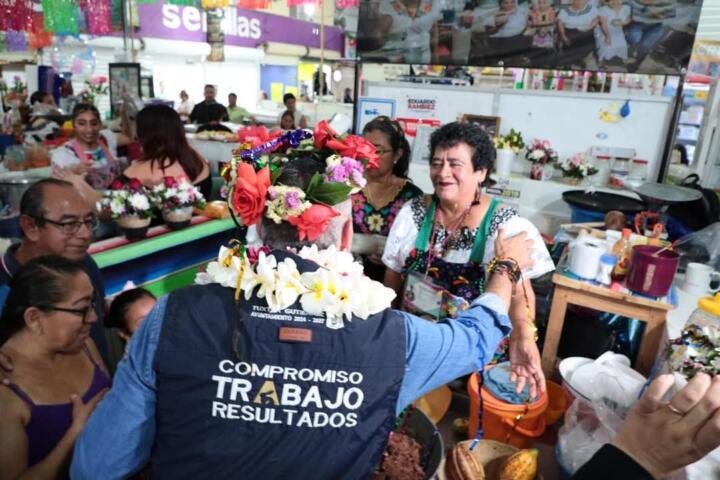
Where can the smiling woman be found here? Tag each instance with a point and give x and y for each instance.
(45, 328)
(447, 240)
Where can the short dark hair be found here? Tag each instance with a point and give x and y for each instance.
(455, 133)
(209, 85)
(38, 96)
(85, 107)
(232, 95)
(120, 306)
(43, 281)
(396, 138)
(31, 203)
(288, 96)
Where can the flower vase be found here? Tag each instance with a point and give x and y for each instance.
(503, 164)
(177, 218)
(572, 180)
(134, 227)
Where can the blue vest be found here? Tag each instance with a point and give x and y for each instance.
(244, 393)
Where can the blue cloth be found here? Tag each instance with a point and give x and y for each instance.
(498, 383)
(119, 436)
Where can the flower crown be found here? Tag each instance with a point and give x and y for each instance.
(252, 174)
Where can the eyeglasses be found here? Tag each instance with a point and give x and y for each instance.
(72, 227)
(84, 313)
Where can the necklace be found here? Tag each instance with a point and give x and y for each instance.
(452, 230)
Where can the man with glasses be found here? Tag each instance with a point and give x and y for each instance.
(56, 219)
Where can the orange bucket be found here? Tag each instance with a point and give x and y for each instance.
(516, 425)
(557, 402)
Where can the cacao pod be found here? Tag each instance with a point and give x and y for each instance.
(461, 464)
(520, 466)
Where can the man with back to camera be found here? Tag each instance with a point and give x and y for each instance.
(290, 103)
(56, 220)
(200, 113)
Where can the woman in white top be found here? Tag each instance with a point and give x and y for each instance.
(507, 40)
(445, 241)
(92, 152)
(614, 16)
(185, 107)
(412, 28)
(575, 25)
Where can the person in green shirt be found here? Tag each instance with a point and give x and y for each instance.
(236, 113)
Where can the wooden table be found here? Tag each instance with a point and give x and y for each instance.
(575, 292)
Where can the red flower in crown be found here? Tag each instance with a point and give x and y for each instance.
(135, 184)
(248, 198)
(313, 222)
(170, 182)
(256, 136)
(323, 133)
(117, 184)
(355, 147)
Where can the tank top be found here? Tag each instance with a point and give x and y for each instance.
(49, 423)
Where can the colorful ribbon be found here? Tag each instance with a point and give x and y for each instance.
(290, 139)
(15, 41)
(98, 17)
(38, 37)
(61, 16)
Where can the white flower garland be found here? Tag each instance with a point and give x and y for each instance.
(338, 289)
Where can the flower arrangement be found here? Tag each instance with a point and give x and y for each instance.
(512, 141)
(129, 199)
(252, 175)
(577, 167)
(540, 151)
(338, 289)
(93, 87)
(18, 90)
(174, 194)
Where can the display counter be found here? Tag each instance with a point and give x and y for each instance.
(165, 260)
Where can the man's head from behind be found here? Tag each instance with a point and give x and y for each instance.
(289, 101)
(215, 114)
(298, 173)
(209, 93)
(56, 219)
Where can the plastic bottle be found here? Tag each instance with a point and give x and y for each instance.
(622, 250)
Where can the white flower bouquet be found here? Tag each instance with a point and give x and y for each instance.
(577, 167)
(129, 199)
(175, 194)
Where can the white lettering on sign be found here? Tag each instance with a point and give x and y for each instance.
(275, 400)
(192, 19)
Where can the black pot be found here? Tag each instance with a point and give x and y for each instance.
(178, 225)
(135, 233)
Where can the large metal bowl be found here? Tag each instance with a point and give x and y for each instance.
(14, 184)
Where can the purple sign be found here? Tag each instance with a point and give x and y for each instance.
(242, 27)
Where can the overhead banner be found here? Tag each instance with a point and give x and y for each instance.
(639, 36)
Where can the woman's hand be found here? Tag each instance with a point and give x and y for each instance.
(82, 411)
(525, 363)
(664, 437)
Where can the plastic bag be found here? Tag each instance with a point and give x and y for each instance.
(702, 246)
(588, 426)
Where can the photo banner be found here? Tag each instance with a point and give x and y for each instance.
(637, 36)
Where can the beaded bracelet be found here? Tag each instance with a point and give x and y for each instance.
(509, 266)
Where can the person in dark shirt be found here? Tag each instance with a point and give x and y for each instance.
(56, 220)
(201, 112)
(215, 116)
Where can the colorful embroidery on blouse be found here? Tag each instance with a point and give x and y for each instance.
(369, 220)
